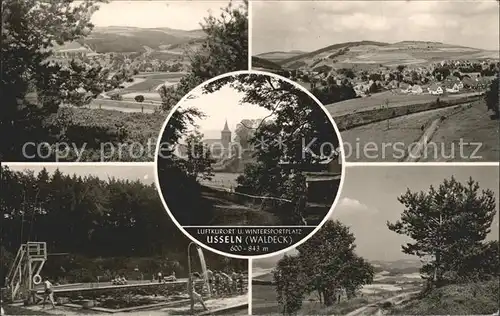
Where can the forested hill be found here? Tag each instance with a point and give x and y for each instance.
(91, 218)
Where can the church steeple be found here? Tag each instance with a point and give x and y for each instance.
(225, 136)
(226, 128)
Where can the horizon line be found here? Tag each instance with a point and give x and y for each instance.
(367, 40)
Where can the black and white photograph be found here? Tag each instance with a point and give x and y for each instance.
(95, 240)
(405, 81)
(93, 81)
(246, 150)
(403, 240)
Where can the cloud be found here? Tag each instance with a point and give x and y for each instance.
(348, 207)
(317, 24)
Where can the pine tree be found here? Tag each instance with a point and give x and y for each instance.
(448, 224)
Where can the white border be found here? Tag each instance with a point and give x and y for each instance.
(81, 164)
(249, 287)
(342, 156)
(423, 164)
(249, 33)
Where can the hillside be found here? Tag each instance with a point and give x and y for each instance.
(134, 39)
(258, 62)
(370, 53)
(278, 56)
(463, 299)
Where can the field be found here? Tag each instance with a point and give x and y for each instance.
(472, 126)
(376, 53)
(387, 141)
(378, 100)
(124, 106)
(279, 56)
(147, 82)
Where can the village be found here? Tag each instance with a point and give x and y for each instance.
(445, 77)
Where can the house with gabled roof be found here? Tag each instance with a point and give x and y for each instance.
(452, 87)
(404, 87)
(435, 89)
(468, 82)
(416, 89)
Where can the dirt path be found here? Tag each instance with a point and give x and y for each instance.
(373, 309)
(417, 150)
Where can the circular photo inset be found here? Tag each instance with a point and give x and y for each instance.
(249, 164)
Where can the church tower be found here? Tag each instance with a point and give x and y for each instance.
(225, 136)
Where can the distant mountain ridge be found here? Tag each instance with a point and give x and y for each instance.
(134, 39)
(376, 53)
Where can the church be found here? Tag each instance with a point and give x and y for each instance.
(220, 148)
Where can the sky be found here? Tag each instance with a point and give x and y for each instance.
(369, 199)
(220, 106)
(142, 173)
(316, 24)
(183, 15)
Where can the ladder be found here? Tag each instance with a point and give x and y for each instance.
(29, 262)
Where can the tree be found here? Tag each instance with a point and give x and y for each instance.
(491, 98)
(198, 161)
(139, 98)
(326, 264)
(289, 284)
(245, 131)
(103, 224)
(401, 68)
(447, 224)
(224, 50)
(29, 32)
(329, 261)
(374, 88)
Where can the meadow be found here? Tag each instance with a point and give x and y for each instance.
(387, 140)
(472, 126)
(146, 83)
(392, 99)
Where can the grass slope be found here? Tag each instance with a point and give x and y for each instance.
(467, 299)
(133, 39)
(373, 54)
(258, 62)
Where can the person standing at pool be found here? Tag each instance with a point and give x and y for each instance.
(48, 292)
(210, 278)
(193, 296)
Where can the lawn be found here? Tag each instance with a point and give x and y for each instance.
(377, 143)
(475, 129)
